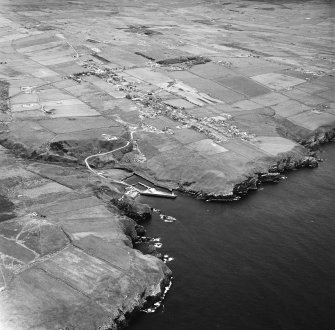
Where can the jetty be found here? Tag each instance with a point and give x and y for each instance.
(150, 191)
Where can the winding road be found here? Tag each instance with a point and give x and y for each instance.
(107, 153)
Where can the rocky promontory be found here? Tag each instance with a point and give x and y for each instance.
(67, 257)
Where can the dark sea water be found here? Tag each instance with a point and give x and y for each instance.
(265, 262)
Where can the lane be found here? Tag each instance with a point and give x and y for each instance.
(108, 153)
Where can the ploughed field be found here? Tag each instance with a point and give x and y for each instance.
(219, 92)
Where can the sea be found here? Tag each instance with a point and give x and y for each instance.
(266, 262)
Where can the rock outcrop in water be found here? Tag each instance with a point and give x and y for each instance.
(127, 204)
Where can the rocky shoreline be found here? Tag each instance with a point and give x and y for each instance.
(283, 166)
(62, 236)
(274, 173)
(197, 103)
(140, 212)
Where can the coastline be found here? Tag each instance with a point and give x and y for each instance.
(68, 251)
(205, 117)
(272, 172)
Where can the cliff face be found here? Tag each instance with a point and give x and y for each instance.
(68, 260)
